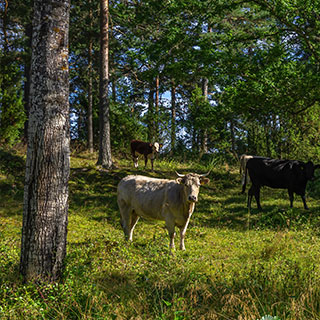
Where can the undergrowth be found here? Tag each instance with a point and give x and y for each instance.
(236, 266)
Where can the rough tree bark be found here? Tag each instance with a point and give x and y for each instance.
(105, 159)
(90, 97)
(45, 211)
(204, 138)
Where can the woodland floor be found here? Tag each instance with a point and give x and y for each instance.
(236, 265)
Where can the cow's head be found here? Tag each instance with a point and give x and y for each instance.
(155, 147)
(309, 168)
(192, 183)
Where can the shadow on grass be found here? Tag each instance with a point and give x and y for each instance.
(230, 210)
(221, 205)
(192, 292)
(92, 192)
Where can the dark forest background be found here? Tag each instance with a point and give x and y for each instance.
(218, 77)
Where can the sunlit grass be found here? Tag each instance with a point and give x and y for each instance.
(236, 266)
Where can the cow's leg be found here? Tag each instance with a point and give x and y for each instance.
(257, 196)
(145, 161)
(250, 195)
(170, 227)
(125, 212)
(303, 197)
(291, 197)
(133, 222)
(135, 161)
(151, 164)
(182, 235)
(242, 180)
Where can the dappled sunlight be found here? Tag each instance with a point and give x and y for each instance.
(234, 261)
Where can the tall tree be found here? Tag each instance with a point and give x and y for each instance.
(105, 145)
(173, 118)
(45, 211)
(90, 76)
(157, 102)
(204, 131)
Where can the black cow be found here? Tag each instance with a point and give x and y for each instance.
(276, 173)
(147, 149)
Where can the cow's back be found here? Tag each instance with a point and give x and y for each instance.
(274, 173)
(140, 147)
(146, 196)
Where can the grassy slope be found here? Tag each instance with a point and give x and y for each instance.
(235, 266)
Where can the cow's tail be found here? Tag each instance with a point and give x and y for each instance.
(245, 180)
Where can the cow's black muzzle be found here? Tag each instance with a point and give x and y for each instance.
(192, 199)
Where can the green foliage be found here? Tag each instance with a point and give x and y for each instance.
(261, 59)
(12, 114)
(201, 113)
(228, 270)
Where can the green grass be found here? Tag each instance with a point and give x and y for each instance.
(235, 266)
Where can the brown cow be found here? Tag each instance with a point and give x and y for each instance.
(160, 199)
(147, 149)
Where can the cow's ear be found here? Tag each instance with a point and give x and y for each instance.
(180, 180)
(150, 144)
(161, 145)
(204, 180)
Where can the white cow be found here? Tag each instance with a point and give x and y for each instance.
(172, 201)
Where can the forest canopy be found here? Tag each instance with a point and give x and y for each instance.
(222, 77)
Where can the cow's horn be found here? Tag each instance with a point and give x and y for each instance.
(179, 175)
(205, 174)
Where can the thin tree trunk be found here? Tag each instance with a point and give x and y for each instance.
(90, 98)
(45, 211)
(267, 135)
(204, 142)
(4, 26)
(150, 115)
(105, 158)
(173, 118)
(114, 91)
(233, 139)
(157, 109)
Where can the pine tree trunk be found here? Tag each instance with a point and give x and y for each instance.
(157, 102)
(105, 145)
(204, 140)
(150, 115)
(114, 90)
(173, 118)
(90, 106)
(233, 138)
(45, 211)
